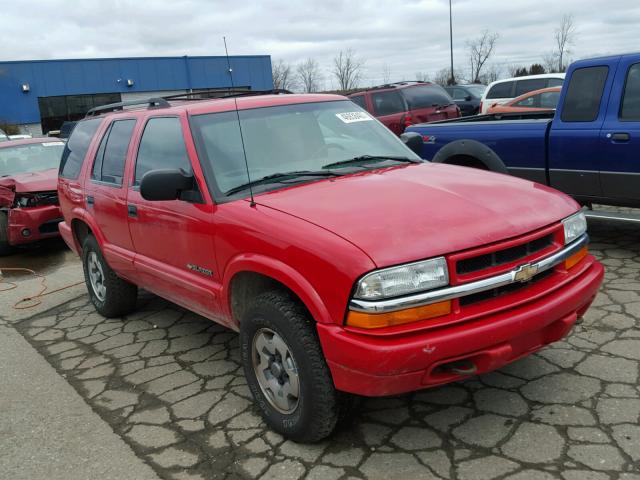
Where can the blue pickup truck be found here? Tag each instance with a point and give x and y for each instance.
(589, 147)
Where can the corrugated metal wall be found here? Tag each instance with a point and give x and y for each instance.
(72, 77)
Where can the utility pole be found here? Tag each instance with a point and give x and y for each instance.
(452, 79)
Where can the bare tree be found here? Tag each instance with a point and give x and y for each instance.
(309, 75)
(347, 68)
(442, 77)
(550, 62)
(513, 70)
(491, 74)
(480, 49)
(282, 75)
(422, 76)
(386, 73)
(564, 36)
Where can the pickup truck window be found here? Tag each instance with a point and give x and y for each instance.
(387, 103)
(161, 146)
(77, 146)
(112, 153)
(501, 90)
(526, 86)
(630, 110)
(582, 101)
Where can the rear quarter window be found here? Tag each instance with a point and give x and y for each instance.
(76, 148)
(501, 90)
(582, 101)
(426, 96)
(387, 103)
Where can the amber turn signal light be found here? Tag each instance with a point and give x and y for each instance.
(400, 317)
(575, 258)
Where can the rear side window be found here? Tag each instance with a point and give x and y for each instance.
(387, 103)
(582, 102)
(360, 101)
(426, 96)
(555, 82)
(501, 90)
(459, 94)
(76, 148)
(112, 153)
(526, 86)
(161, 147)
(630, 110)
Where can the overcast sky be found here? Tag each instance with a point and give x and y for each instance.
(409, 36)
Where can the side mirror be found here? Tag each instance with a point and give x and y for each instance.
(413, 140)
(165, 184)
(468, 98)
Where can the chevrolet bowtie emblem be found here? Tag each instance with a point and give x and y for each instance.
(524, 273)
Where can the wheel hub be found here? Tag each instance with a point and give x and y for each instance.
(275, 370)
(96, 276)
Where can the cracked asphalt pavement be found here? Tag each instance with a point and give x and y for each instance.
(170, 384)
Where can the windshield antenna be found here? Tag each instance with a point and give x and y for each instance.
(235, 101)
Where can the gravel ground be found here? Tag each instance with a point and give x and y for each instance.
(170, 384)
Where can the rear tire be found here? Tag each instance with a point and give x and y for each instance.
(296, 396)
(111, 295)
(5, 248)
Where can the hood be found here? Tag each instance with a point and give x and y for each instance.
(417, 211)
(43, 181)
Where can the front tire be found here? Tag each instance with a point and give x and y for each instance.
(111, 295)
(286, 371)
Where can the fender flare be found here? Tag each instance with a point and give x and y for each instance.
(471, 148)
(279, 271)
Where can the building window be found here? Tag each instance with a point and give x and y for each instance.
(54, 111)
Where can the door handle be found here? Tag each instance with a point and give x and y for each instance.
(132, 210)
(90, 200)
(619, 137)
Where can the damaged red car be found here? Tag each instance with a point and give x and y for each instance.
(29, 209)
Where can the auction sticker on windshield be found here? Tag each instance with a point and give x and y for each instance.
(352, 117)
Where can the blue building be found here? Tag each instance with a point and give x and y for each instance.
(39, 95)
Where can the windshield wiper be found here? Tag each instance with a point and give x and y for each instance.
(280, 176)
(370, 158)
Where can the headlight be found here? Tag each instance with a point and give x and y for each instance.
(574, 227)
(404, 279)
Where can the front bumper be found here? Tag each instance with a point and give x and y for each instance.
(38, 222)
(378, 365)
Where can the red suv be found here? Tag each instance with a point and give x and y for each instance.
(347, 264)
(401, 104)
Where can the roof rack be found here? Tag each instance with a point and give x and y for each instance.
(155, 102)
(224, 93)
(401, 83)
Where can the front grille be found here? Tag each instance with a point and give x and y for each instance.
(51, 226)
(498, 292)
(501, 257)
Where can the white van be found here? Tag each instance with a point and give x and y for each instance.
(501, 91)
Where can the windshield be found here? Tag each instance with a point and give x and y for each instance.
(289, 138)
(33, 157)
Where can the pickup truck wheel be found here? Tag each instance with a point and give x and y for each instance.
(286, 371)
(111, 295)
(5, 248)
